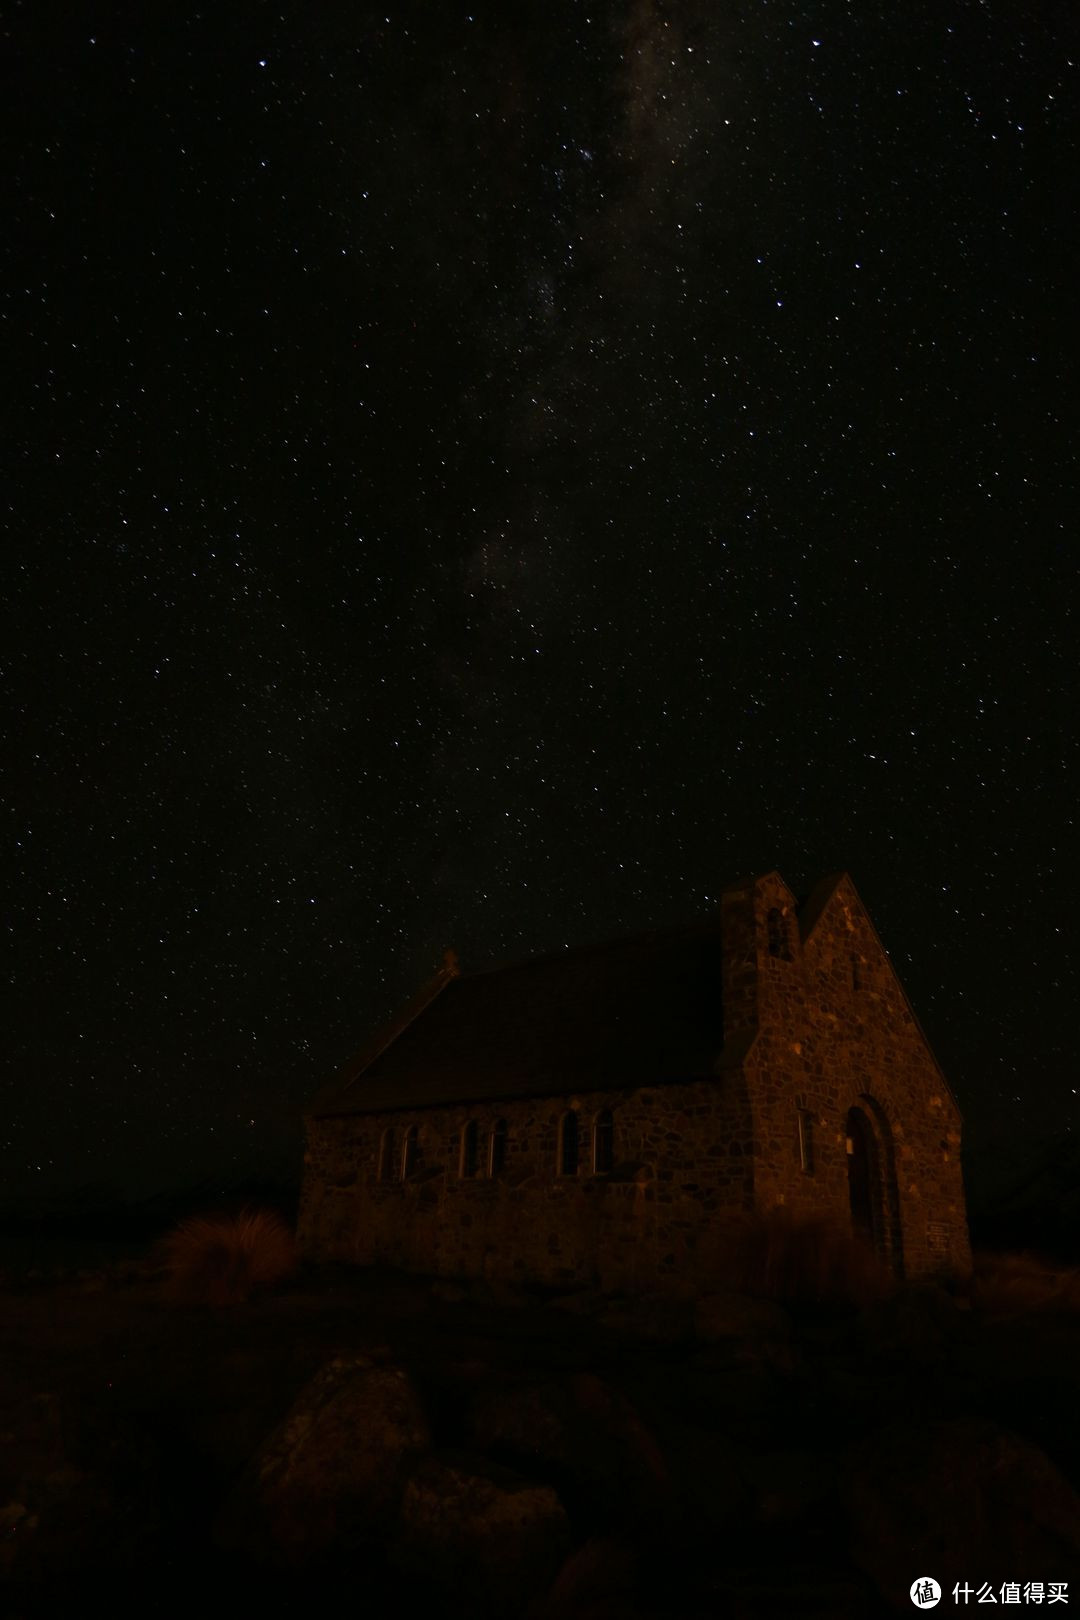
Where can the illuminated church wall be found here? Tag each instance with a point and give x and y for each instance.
(823, 1098)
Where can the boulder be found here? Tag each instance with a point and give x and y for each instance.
(710, 1478)
(638, 1455)
(915, 1325)
(1044, 1408)
(808, 1591)
(329, 1479)
(598, 1582)
(728, 1315)
(962, 1500)
(485, 1537)
(500, 1292)
(750, 1330)
(80, 1495)
(739, 1387)
(657, 1320)
(525, 1424)
(579, 1434)
(74, 1527)
(448, 1292)
(17, 1523)
(583, 1302)
(792, 1485)
(661, 1319)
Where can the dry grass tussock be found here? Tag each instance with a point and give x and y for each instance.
(222, 1259)
(1024, 1284)
(814, 1260)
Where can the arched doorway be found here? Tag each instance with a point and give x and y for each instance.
(872, 1192)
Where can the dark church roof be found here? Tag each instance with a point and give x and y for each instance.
(633, 1012)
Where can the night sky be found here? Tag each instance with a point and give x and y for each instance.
(488, 478)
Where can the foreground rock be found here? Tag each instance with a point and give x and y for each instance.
(600, 1581)
(754, 1332)
(480, 1534)
(78, 1494)
(580, 1435)
(961, 1500)
(919, 1325)
(329, 1480)
(723, 1316)
(792, 1486)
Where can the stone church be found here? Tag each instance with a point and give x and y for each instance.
(607, 1115)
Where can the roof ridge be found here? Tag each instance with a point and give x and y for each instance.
(393, 1029)
(594, 947)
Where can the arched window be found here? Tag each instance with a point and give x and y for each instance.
(497, 1148)
(386, 1154)
(568, 1144)
(778, 934)
(408, 1153)
(603, 1142)
(467, 1159)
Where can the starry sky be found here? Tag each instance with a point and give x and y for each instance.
(487, 478)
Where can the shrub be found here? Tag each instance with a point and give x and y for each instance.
(803, 1259)
(1024, 1284)
(220, 1259)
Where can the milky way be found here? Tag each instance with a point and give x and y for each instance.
(488, 479)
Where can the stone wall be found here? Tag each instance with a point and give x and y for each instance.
(681, 1177)
(836, 1032)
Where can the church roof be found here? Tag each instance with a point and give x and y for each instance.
(629, 1013)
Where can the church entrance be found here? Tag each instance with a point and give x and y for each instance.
(872, 1184)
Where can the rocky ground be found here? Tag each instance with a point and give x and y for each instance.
(397, 1444)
